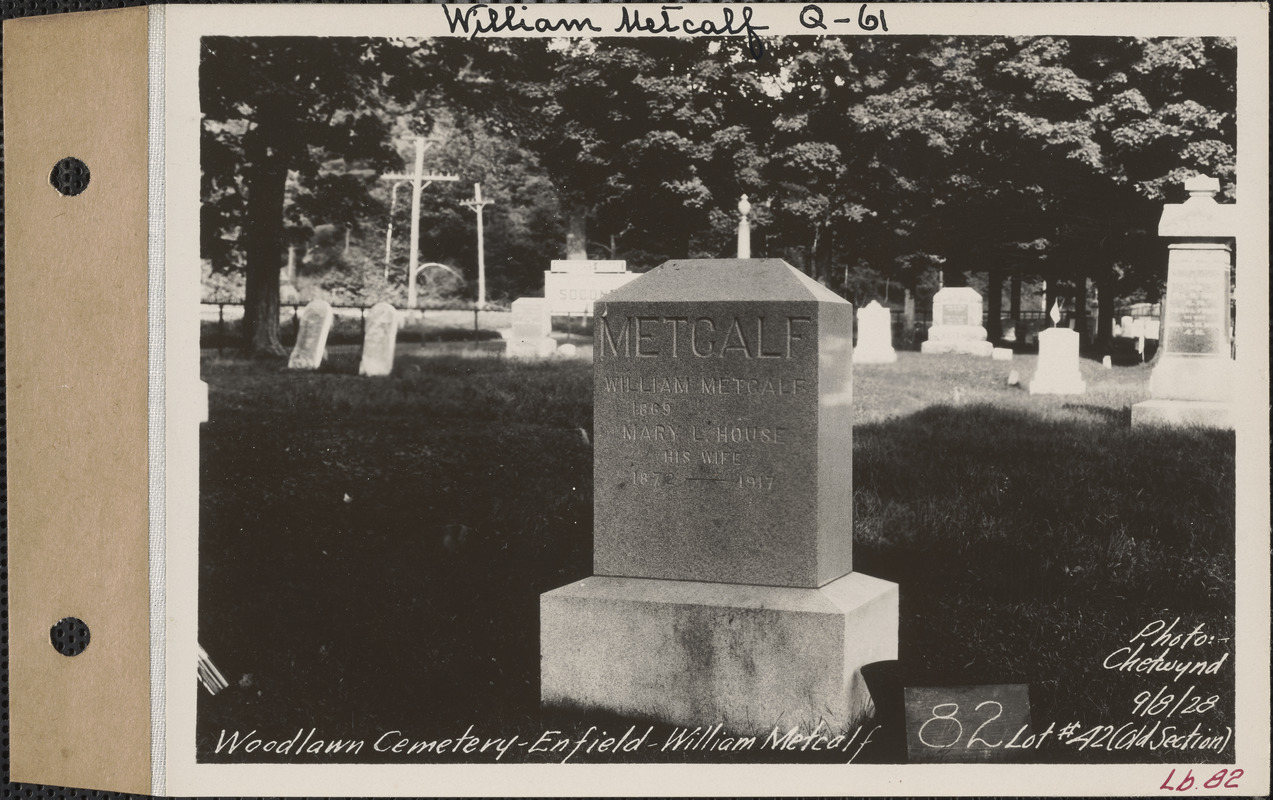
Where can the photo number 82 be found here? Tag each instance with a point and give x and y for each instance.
(944, 729)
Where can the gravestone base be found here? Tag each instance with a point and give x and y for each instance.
(970, 347)
(1183, 412)
(1195, 378)
(1048, 383)
(535, 348)
(874, 355)
(749, 658)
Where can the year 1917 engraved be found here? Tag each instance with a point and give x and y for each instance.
(757, 482)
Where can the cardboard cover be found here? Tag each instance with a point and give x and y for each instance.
(75, 308)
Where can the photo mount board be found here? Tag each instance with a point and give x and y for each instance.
(91, 474)
(76, 278)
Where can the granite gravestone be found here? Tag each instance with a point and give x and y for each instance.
(571, 287)
(530, 335)
(1192, 381)
(379, 341)
(956, 324)
(875, 336)
(722, 440)
(1057, 368)
(311, 339)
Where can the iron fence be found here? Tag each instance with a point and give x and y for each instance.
(220, 332)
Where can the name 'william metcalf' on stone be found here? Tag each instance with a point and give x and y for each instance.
(704, 385)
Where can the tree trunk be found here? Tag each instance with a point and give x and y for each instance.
(815, 266)
(994, 308)
(1014, 306)
(577, 233)
(823, 265)
(908, 310)
(1105, 307)
(1080, 309)
(267, 185)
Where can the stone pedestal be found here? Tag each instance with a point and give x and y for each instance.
(1058, 366)
(1192, 382)
(750, 658)
(1183, 412)
(875, 336)
(956, 324)
(722, 546)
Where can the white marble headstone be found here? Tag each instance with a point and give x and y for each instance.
(1058, 365)
(957, 323)
(379, 341)
(311, 340)
(875, 335)
(530, 335)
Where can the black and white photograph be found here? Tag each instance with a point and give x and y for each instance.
(657, 385)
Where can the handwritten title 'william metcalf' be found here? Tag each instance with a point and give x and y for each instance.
(479, 19)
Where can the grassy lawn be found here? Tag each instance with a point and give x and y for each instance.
(372, 550)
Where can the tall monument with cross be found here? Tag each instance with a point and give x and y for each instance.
(418, 180)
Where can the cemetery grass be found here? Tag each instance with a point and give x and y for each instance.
(372, 550)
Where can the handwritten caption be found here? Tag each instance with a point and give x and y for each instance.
(552, 745)
(1177, 711)
(480, 19)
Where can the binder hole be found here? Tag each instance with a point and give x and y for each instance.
(69, 636)
(69, 176)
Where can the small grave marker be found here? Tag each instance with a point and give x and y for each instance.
(311, 339)
(1058, 365)
(380, 340)
(875, 336)
(530, 335)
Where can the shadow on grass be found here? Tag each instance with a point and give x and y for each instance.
(1028, 549)
(1117, 417)
(372, 551)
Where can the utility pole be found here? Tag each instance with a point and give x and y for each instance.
(418, 181)
(477, 204)
(393, 206)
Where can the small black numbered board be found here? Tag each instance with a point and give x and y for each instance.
(968, 724)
